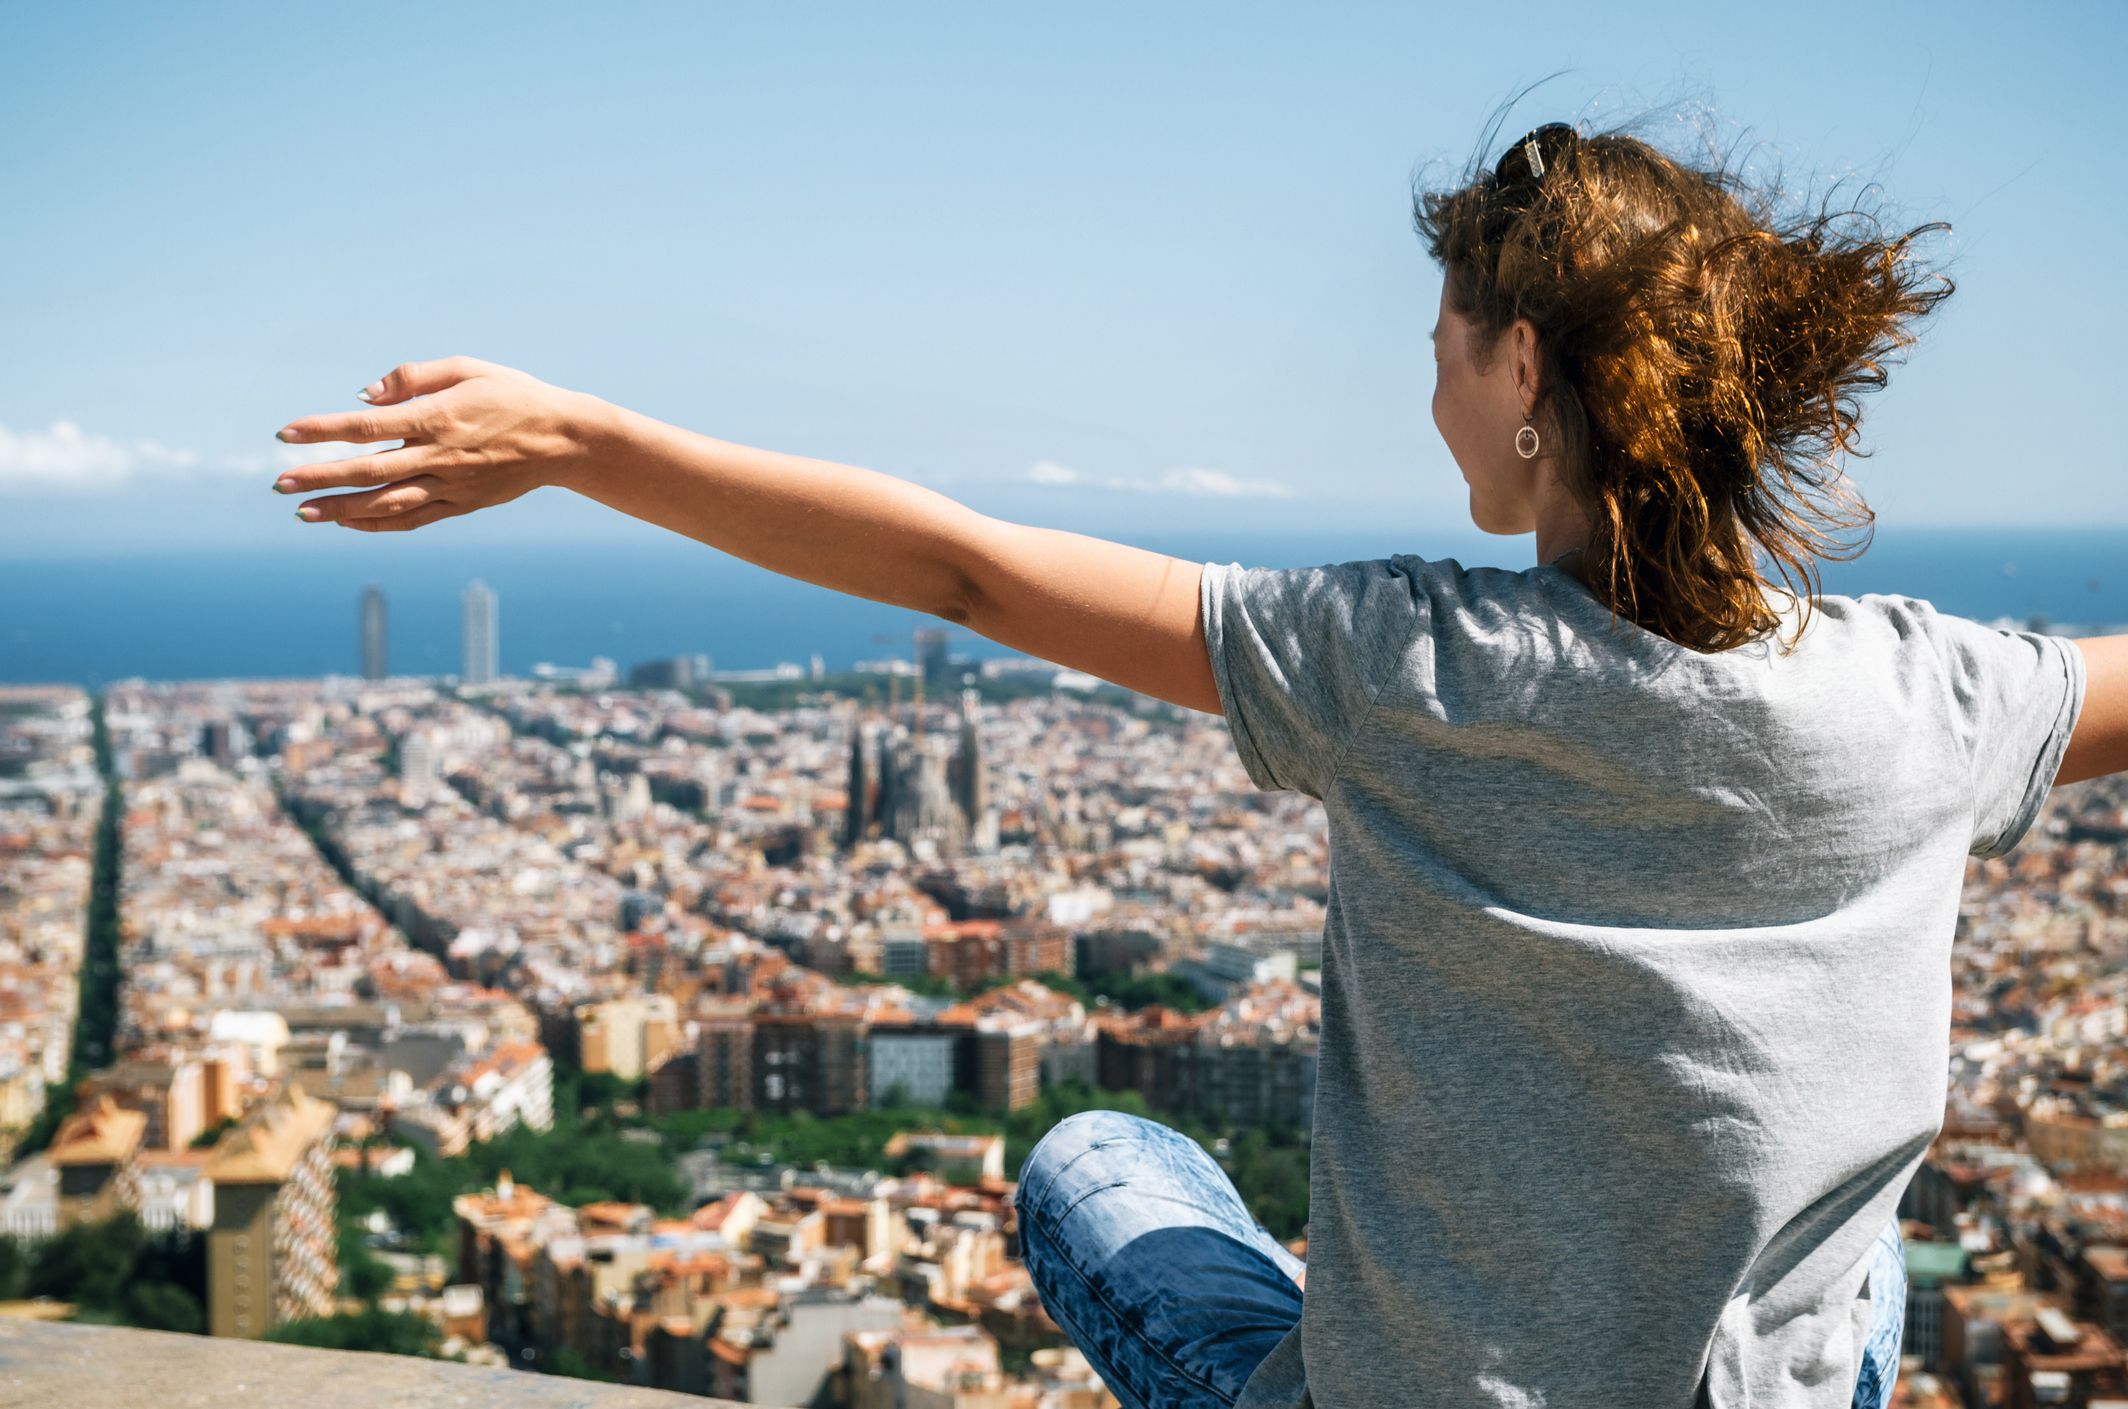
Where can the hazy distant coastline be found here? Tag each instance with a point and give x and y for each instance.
(193, 616)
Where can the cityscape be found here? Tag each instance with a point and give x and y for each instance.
(688, 1030)
(582, 954)
(684, 1031)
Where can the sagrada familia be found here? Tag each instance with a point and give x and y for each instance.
(925, 790)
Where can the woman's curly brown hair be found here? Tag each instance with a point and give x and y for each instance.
(1700, 361)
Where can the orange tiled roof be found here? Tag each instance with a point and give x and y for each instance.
(964, 929)
(266, 1147)
(103, 1132)
(610, 1211)
(712, 1215)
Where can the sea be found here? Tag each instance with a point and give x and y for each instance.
(192, 615)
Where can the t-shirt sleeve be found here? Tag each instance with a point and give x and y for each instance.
(2015, 699)
(1300, 655)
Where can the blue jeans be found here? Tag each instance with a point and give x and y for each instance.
(1143, 1252)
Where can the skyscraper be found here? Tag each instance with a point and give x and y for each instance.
(376, 643)
(480, 635)
(931, 659)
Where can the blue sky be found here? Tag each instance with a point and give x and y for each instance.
(1114, 268)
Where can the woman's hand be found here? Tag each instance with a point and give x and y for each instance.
(474, 434)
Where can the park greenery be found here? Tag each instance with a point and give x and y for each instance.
(602, 1146)
(96, 1014)
(114, 1271)
(391, 1332)
(1131, 991)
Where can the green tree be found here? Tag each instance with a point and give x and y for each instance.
(564, 1361)
(96, 1012)
(418, 1202)
(89, 1263)
(116, 1272)
(916, 1159)
(14, 1270)
(924, 985)
(210, 1137)
(363, 1275)
(162, 1306)
(390, 1332)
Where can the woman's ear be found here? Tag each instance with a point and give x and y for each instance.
(1529, 364)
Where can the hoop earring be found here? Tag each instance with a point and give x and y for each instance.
(1526, 442)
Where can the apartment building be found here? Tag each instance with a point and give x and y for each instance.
(272, 1251)
(94, 1151)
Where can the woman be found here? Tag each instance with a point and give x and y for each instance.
(1635, 972)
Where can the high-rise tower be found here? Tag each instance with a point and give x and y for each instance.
(376, 639)
(932, 662)
(480, 635)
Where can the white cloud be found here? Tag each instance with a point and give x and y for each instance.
(1218, 483)
(66, 459)
(1191, 479)
(1050, 472)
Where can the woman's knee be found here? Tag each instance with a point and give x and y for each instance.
(1888, 1266)
(1067, 1140)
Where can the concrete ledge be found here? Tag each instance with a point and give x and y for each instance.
(71, 1366)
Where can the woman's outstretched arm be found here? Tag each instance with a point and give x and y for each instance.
(1121, 613)
(2099, 743)
(477, 434)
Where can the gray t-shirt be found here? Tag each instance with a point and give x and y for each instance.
(1636, 971)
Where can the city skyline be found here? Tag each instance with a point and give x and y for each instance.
(284, 613)
(479, 634)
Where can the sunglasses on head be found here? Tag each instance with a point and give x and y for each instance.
(1536, 153)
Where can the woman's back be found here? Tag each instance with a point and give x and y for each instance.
(1636, 970)
(1635, 980)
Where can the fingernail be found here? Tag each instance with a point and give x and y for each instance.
(284, 486)
(283, 434)
(308, 513)
(371, 392)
